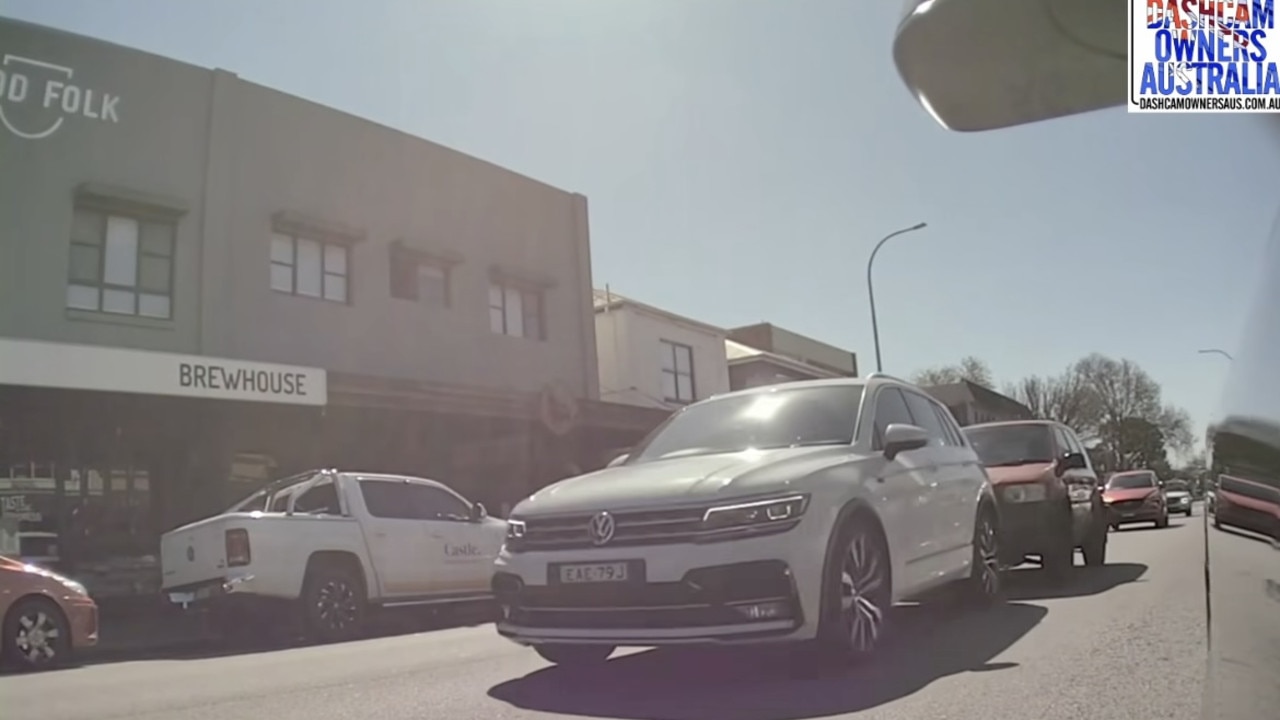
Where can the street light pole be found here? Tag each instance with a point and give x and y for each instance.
(1216, 351)
(871, 293)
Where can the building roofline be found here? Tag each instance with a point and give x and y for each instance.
(756, 354)
(617, 302)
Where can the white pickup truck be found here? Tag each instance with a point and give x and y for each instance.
(325, 546)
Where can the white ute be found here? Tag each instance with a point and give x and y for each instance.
(326, 545)
(795, 512)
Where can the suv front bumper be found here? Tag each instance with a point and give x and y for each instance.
(753, 590)
(1030, 528)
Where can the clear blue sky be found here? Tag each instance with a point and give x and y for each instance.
(742, 157)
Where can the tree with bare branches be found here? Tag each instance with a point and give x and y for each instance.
(969, 368)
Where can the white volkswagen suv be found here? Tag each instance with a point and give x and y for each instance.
(795, 512)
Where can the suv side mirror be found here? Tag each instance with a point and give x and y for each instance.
(901, 437)
(1072, 461)
(478, 512)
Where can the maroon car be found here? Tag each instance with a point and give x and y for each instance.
(1135, 496)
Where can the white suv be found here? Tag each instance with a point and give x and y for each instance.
(795, 512)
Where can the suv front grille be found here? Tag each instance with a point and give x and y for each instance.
(631, 528)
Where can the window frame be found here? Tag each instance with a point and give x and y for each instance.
(102, 218)
(525, 294)
(405, 275)
(294, 239)
(672, 350)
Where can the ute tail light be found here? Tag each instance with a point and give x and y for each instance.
(238, 553)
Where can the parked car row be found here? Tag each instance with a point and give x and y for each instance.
(796, 513)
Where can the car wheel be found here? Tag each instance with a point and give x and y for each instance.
(1163, 521)
(36, 635)
(857, 593)
(574, 656)
(985, 585)
(1188, 512)
(1095, 548)
(334, 599)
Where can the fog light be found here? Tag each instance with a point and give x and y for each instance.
(765, 611)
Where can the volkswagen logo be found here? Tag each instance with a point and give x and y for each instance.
(601, 528)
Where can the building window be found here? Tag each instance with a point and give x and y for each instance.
(516, 312)
(421, 279)
(677, 373)
(121, 265)
(302, 266)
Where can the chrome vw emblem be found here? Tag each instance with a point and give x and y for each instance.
(601, 528)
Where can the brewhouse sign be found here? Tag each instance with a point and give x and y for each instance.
(88, 367)
(37, 97)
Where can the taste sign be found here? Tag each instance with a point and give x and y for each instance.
(37, 97)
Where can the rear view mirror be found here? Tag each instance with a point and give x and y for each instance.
(1069, 58)
(901, 437)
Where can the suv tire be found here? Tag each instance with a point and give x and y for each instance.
(985, 584)
(857, 594)
(1095, 546)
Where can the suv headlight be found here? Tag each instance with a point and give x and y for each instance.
(756, 513)
(1024, 493)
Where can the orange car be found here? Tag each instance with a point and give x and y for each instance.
(46, 617)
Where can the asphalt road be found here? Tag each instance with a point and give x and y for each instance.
(1127, 641)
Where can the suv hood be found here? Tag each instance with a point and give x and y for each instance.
(674, 481)
(1029, 472)
(1177, 494)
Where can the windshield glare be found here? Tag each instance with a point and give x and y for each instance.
(775, 418)
(1011, 444)
(1132, 481)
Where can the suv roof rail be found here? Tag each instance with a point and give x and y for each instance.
(886, 376)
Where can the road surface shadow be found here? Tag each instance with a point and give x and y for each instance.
(1034, 584)
(764, 683)
(191, 644)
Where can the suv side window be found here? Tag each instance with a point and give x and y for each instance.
(1078, 447)
(922, 414)
(1060, 439)
(890, 408)
(955, 437)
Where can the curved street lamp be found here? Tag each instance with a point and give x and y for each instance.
(1216, 351)
(871, 293)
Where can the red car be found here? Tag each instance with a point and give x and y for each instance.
(1135, 496)
(1247, 505)
(46, 617)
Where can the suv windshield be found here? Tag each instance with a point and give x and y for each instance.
(1005, 445)
(1132, 481)
(774, 418)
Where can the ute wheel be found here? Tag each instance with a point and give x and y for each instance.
(574, 656)
(857, 595)
(334, 603)
(36, 635)
(1095, 548)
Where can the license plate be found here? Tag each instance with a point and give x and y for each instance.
(614, 572)
(182, 597)
(1129, 514)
